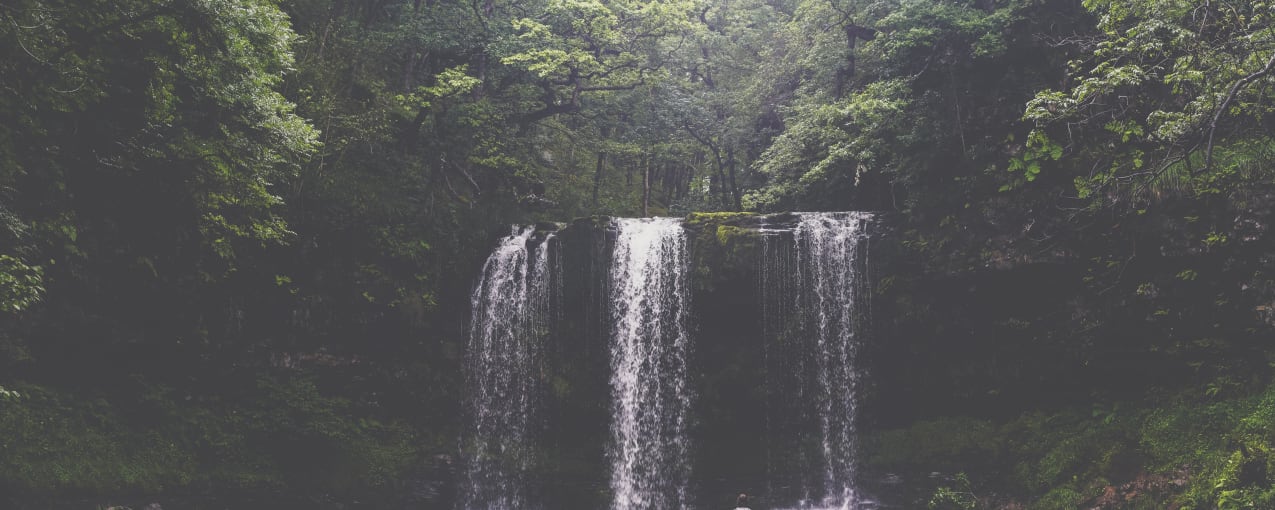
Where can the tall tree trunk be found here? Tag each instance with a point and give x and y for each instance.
(409, 71)
(597, 177)
(413, 55)
(734, 186)
(646, 186)
(480, 89)
(668, 179)
(690, 174)
(720, 186)
(853, 34)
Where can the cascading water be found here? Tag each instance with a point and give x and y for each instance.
(510, 314)
(813, 319)
(786, 356)
(811, 288)
(650, 344)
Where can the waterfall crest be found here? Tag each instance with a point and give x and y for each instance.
(510, 314)
(650, 344)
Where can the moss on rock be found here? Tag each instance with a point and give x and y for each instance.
(724, 246)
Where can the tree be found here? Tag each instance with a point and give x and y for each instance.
(931, 105)
(146, 145)
(1163, 130)
(1173, 99)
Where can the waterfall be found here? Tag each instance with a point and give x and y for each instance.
(785, 357)
(537, 406)
(510, 315)
(650, 344)
(813, 319)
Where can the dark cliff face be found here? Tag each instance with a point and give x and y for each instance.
(934, 344)
(990, 342)
(734, 448)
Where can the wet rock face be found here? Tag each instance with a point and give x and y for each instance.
(728, 427)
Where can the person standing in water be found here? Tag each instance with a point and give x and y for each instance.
(741, 503)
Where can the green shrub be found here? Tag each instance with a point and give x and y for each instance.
(1191, 450)
(283, 434)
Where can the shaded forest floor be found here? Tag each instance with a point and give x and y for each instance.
(276, 441)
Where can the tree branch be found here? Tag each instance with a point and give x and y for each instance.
(546, 112)
(117, 25)
(1230, 96)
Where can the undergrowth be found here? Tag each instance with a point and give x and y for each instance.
(1190, 451)
(287, 434)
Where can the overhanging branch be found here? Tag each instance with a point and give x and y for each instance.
(1230, 96)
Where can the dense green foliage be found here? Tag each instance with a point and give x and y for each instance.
(235, 230)
(1186, 451)
(268, 434)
